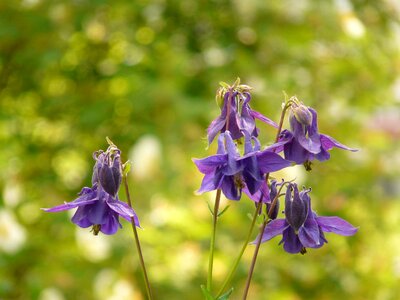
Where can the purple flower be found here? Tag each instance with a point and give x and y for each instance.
(237, 113)
(304, 143)
(302, 228)
(99, 209)
(230, 172)
(99, 205)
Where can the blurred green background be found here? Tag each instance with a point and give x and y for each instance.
(144, 73)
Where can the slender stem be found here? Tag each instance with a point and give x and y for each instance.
(256, 250)
(212, 243)
(236, 264)
(137, 242)
(215, 212)
(253, 262)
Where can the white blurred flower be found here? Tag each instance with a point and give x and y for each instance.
(109, 286)
(93, 247)
(351, 25)
(51, 293)
(12, 193)
(12, 234)
(145, 156)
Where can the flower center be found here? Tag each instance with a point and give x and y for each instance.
(96, 229)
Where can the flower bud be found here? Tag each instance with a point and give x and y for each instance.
(301, 113)
(273, 213)
(296, 209)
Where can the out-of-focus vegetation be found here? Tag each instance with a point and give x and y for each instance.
(144, 73)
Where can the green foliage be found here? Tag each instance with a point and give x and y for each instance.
(145, 73)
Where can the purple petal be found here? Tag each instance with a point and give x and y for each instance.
(215, 127)
(248, 146)
(88, 196)
(263, 118)
(262, 193)
(229, 188)
(295, 152)
(336, 225)
(273, 228)
(97, 212)
(208, 164)
(328, 143)
(247, 120)
(233, 166)
(311, 142)
(124, 210)
(111, 225)
(291, 242)
(309, 234)
(80, 217)
(211, 181)
(271, 162)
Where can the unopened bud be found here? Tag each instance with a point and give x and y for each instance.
(273, 211)
(302, 114)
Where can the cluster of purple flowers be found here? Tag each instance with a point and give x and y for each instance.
(232, 172)
(99, 206)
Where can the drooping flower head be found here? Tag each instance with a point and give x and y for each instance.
(302, 228)
(236, 115)
(231, 172)
(303, 142)
(99, 205)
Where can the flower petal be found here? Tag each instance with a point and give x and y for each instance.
(273, 228)
(291, 242)
(88, 196)
(336, 225)
(271, 162)
(295, 152)
(124, 210)
(230, 190)
(262, 193)
(214, 128)
(309, 234)
(328, 143)
(111, 225)
(210, 163)
(263, 118)
(97, 212)
(80, 217)
(210, 182)
(311, 142)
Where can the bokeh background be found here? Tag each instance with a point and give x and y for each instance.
(144, 73)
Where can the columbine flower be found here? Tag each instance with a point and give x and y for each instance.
(302, 228)
(237, 113)
(304, 143)
(230, 172)
(99, 205)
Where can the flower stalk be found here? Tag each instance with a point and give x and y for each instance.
(212, 243)
(287, 104)
(137, 243)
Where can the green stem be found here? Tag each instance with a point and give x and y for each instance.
(253, 262)
(236, 264)
(256, 250)
(137, 242)
(212, 243)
